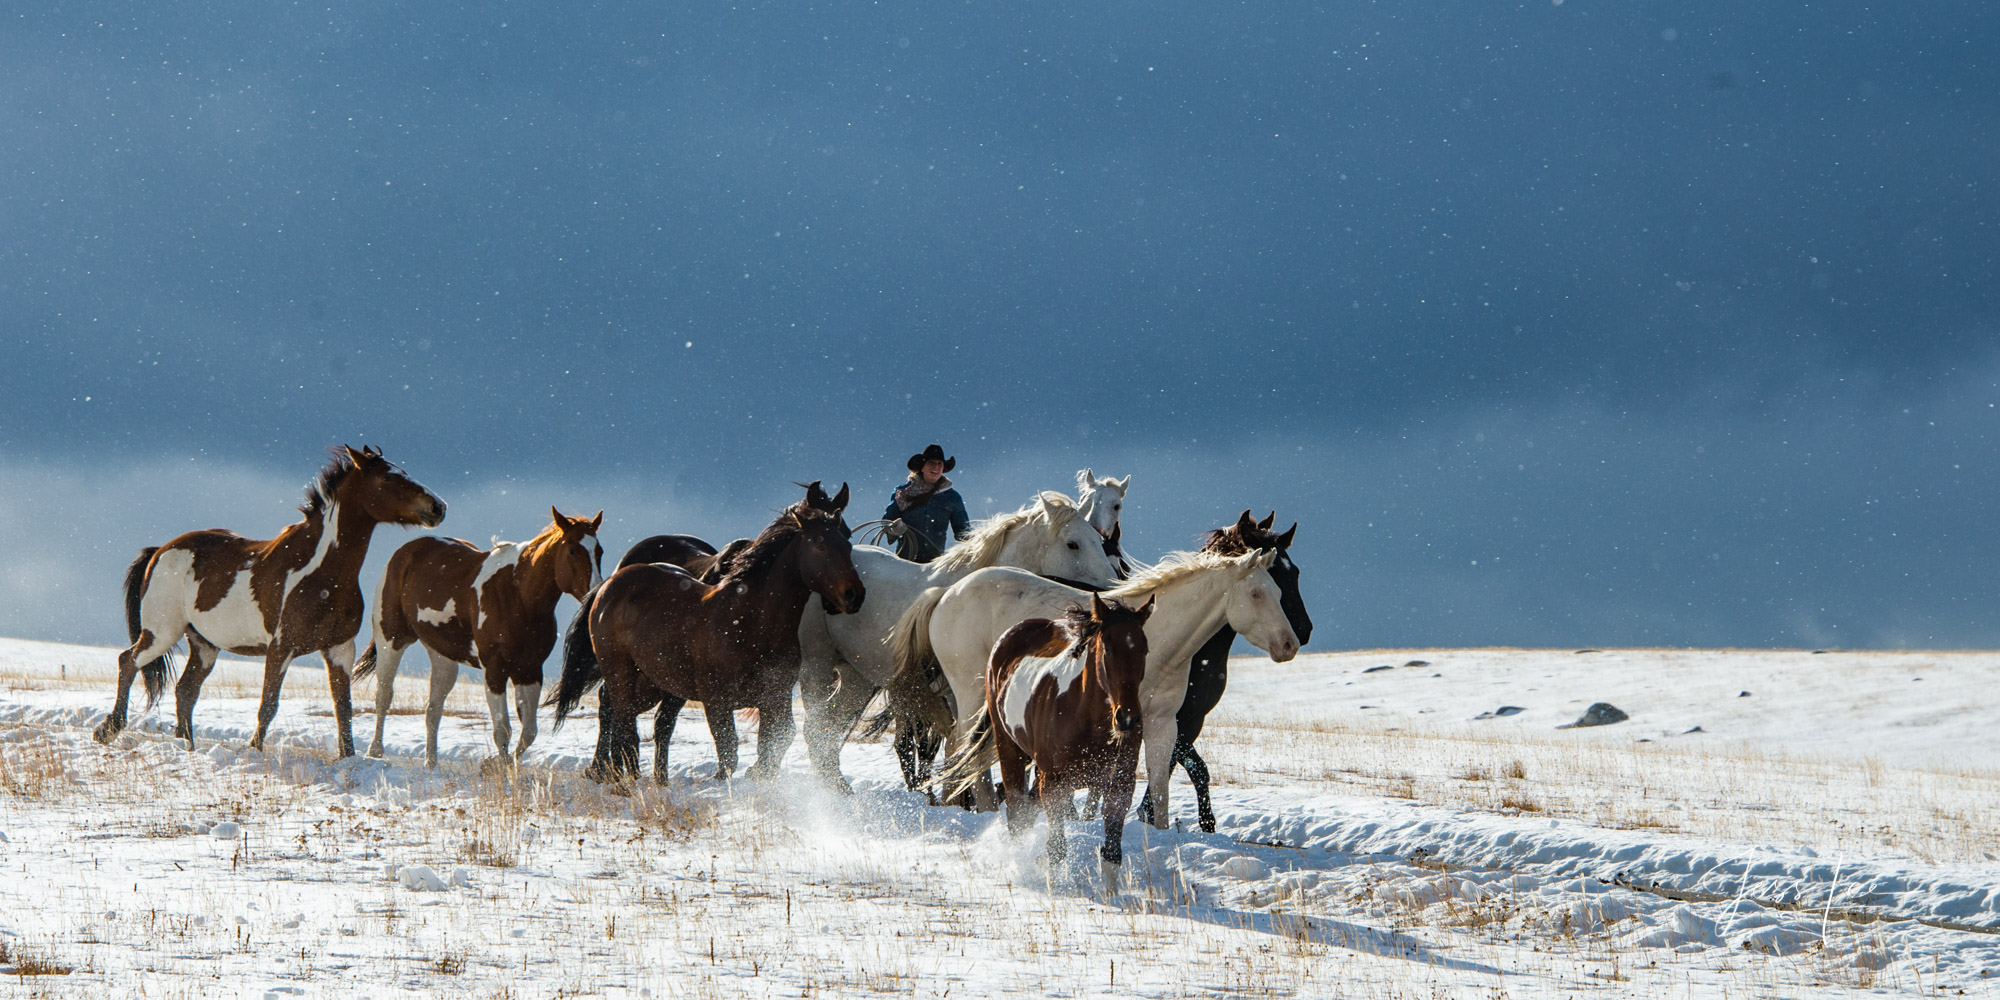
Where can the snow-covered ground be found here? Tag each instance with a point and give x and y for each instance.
(1831, 831)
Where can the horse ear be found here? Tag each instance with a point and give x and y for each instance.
(356, 457)
(1151, 603)
(1269, 519)
(1245, 524)
(1059, 513)
(371, 451)
(1085, 479)
(1097, 608)
(1285, 540)
(1122, 483)
(598, 522)
(815, 495)
(840, 498)
(556, 517)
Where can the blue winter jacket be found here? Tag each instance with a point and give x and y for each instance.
(924, 540)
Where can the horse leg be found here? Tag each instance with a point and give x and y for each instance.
(1160, 742)
(1014, 763)
(775, 732)
(828, 723)
(340, 680)
(187, 690)
(722, 726)
(1197, 771)
(148, 648)
(1056, 806)
(388, 658)
(526, 697)
(663, 734)
(496, 709)
(444, 676)
(276, 659)
(906, 755)
(1117, 797)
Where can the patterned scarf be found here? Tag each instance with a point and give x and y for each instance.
(917, 493)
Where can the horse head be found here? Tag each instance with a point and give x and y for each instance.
(1101, 500)
(375, 485)
(1118, 655)
(1250, 535)
(1254, 606)
(1070, 548)
(577, 560)
(826, 556)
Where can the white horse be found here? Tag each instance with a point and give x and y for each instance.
(1102, 500)
(1198, 592)
(1048, 536)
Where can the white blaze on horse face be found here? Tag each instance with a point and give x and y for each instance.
(1027, 676)
(596, 553)
(441, 616)
(504, 554)
(236, 622)
(329, 528)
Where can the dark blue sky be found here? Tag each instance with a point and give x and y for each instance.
(1683, 313)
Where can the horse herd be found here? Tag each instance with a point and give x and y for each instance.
(1035, 642)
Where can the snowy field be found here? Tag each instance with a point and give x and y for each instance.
(1766, 824)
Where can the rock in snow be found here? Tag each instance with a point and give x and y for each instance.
(1603, 713)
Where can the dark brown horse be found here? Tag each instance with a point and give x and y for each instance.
(279, 599)
(494, 609)
(1064, 696)
(656, 633)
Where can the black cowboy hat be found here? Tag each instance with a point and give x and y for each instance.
(931, 454)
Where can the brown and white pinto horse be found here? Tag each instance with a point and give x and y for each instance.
(279, 599)
(655, 633)
(1064, 696)
(493, 609)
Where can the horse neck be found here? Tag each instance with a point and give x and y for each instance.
(346, 548)
(779, 592)
(1191, 609)
(534, 575)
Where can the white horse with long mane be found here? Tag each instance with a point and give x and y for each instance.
(1197, 592)
(1050, 536)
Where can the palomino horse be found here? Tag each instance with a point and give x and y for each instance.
(1198, 591)
(493, 609)
(1048, 537)
(279, 599)
(1078, 735)
(657, 633)
(1208, 675)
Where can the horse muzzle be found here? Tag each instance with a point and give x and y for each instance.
(434, 516)
(1124, 722)
(849, 601)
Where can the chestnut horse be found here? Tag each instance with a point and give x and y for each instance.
(1078, 735)
(658, 634)
(279, 599)
(492, 609)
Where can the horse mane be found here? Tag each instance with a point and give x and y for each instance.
(989, 536)
(1171, 569)
(319, 491)
(755, 559)
(1080, 627)
(1231, 542)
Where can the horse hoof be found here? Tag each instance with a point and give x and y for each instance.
(105, 733)
(375, 751)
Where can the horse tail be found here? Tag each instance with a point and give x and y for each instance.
(972, 764)
(160, 671)
(580, 672)
(911, 691)
(366, 664)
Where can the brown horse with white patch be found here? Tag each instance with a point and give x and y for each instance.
(658, 634)
(1064, 696)
(494, 609)
(279, 599)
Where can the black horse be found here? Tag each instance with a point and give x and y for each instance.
(1209, 673)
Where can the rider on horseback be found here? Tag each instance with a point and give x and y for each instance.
(921, 509)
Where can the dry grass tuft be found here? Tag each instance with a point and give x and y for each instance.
(1519, 802)
(34, 769)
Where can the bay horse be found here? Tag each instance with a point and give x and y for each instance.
(279, 598)
(1208, 674)
(1063, 696)
(1049, 536)
(954, 628)
(493, 609)
(656, 633)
